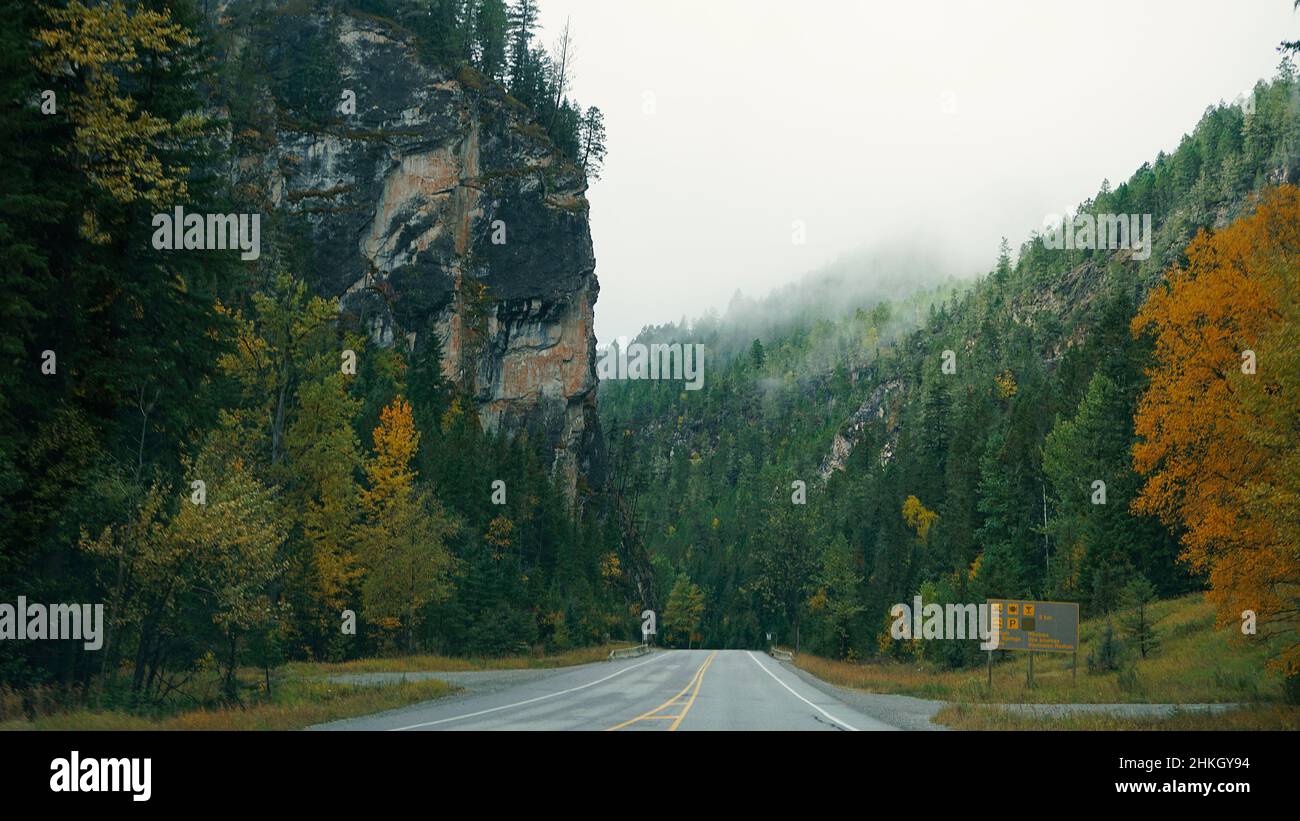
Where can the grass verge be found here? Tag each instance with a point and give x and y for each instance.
(450, 664)
(1194, 663)
(302, 695)
(297, 703)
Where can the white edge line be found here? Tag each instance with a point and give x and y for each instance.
(531, 700)
(796, 695)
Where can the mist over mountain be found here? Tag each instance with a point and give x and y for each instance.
(891, 272)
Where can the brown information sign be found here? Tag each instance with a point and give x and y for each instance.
(1037, 626)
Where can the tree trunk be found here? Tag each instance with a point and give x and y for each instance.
(229, 685)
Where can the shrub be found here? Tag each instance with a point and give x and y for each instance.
(1106, 654)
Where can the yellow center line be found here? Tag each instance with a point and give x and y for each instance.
(698, 681)
(651, 714)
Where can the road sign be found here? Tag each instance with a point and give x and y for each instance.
(1036, 626)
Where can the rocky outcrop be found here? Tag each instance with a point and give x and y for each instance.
(879, 406)
(441, 216)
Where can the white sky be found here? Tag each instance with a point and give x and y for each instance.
(833, 112)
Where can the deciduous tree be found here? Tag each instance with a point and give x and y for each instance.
(1218, 444)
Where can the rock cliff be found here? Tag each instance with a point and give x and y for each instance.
(436, 209)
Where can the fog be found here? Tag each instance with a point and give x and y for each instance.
(951, 123)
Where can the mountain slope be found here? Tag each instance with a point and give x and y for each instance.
(954, 485)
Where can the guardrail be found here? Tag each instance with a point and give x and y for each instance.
(629, 652)
(779, 654)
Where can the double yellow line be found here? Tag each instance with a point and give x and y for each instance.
(695, 682)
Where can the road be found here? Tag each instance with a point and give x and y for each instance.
(668, 690)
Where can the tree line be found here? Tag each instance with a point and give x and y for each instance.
(500, 41)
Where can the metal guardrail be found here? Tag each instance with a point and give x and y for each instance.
(629, 652)
(779, 654)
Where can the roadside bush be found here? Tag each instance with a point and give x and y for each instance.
(1107, 653)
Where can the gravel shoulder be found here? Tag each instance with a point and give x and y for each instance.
(910, 713)
(1123, 710)
(903, 712)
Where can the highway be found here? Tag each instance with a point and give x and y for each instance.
(666, 691)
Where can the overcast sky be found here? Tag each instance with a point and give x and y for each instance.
(953, 123)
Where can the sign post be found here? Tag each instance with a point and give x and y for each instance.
(1035, 627)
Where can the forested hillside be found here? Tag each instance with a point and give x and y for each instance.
(952, 485)
(208, 446)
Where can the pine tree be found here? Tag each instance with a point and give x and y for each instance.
(522, 25)
(1107, 653)
(491, 26)
(1136, 620)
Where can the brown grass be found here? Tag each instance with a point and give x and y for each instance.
(1195, 663)
(302, 695)
(298, 704)
(450, 664)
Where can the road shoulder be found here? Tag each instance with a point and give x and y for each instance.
(903, 712)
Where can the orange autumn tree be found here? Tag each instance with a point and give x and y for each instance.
(1219, 424)
(402, 539)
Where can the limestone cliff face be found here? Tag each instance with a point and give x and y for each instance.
(440, 214)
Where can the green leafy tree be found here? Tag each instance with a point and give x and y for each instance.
(837, 599)
(786, 564)
(231, 542)
(684, 611)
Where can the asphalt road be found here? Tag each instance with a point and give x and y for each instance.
(669, 690)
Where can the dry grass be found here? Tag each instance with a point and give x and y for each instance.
(297, 704)
(450, 664)
(302, 695)
(1195, 663)
(1254, 717)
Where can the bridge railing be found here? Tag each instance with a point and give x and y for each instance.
(779, 654)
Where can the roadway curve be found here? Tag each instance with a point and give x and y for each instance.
(668, 690)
